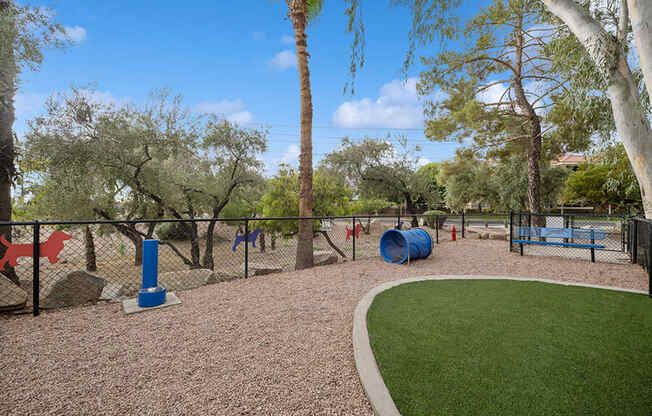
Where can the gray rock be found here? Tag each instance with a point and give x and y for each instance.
(220, 276)
(11, 296)
(261, 269)
(186, 279)
(75, 288)
(323, 258)
(113, 292)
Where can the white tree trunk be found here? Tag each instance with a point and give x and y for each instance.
(640, 12)
(632, 125)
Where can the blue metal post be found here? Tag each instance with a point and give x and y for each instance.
(150, 263)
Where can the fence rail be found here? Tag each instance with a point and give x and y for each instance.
(75, 262)
(56, 264)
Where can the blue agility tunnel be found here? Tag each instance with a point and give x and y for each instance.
(397, 246)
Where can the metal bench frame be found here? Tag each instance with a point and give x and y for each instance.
(565, 233)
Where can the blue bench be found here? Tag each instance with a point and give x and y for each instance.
(565, 233)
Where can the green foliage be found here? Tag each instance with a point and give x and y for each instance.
(379, 171)
(93, 160)
(608, 179)
(502, 184)
(332, 197)
(369, 205)
(26, 31)
(433, 216)
(174, 231)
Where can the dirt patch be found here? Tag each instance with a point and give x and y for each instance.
(277, 344)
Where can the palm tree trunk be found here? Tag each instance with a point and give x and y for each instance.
(304, 259)
(7, 116)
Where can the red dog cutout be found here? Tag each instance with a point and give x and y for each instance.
(349, 232)
(49, 249)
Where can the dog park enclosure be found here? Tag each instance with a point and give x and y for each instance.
(117, 272)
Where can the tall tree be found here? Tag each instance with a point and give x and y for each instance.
(379, 170)
(301, 12)
(149, 162)
(603, 28)
(24, 32)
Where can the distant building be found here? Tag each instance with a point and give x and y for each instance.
(569, 160)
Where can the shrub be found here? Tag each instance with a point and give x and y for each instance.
(175, 231)
(432, 217)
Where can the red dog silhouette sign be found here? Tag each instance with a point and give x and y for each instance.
(49, 249)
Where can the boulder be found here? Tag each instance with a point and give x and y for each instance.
(11, 296)
(75, 288)
(260, 269)
(322, 258)
(186, 279)
(113, 292)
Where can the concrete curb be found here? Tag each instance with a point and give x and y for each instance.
(365, 362)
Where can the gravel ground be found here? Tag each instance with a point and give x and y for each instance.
(277, 344)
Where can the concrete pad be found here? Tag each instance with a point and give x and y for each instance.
(130, 306)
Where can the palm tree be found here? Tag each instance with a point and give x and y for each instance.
(300, 13)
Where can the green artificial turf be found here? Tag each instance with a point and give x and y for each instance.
(492, 347)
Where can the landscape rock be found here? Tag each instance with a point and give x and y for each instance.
(11, 296)
(113, 292)
(323, 258)
(186, 279)
(221, 276)
(261, 269)
(75, 288)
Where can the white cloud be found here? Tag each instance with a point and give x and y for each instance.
(422, 161)
(397, 106)
(291, 155)
(493, 94)
(287, 40)
(284, 60)
(75, 34)
(232, 110)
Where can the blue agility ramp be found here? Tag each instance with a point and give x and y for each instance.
(397, 246)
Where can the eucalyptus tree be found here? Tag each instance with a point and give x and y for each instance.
(605, 29)
(24, 32)
(300, 13)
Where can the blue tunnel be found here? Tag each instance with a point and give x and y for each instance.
(397, 245)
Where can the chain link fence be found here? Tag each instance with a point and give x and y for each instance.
(640, 245)
(593, 237)
(89, 261)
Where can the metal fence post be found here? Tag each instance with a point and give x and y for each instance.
(463, 223)
(398, 222)
(635, 241)
(529, 225)
(246, 249)
(436, 229)
(566, 225)
(592, 244)
(354, 232)
(36, 284)
(511, 216)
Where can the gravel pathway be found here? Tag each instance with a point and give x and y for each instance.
(277, 344)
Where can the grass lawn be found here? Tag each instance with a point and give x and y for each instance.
(492, 347)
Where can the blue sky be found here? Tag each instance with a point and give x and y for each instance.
(237, 58)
